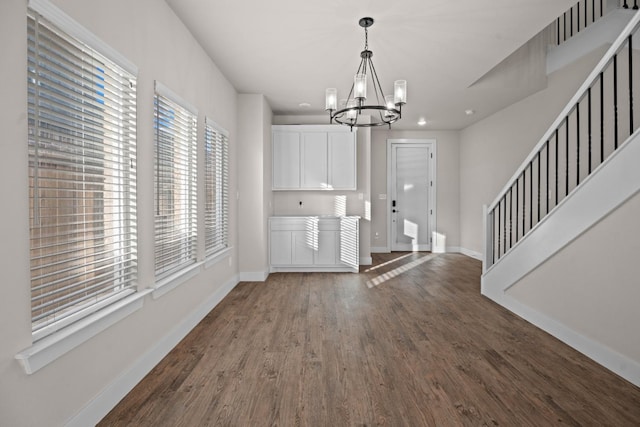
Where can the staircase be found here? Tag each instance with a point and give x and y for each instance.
(584, 171)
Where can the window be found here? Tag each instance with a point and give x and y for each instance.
(175, 183)
(216, 143)
(82, 178)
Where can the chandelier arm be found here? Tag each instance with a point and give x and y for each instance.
(393, 117)
(364, 71)
(367, 107)
(376, 82)
(377, 87)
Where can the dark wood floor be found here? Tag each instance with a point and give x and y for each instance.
(408, 342)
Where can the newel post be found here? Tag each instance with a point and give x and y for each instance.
(487, 256)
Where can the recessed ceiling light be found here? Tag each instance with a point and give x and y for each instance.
(422, 121)
(469, 112)
(304, 105)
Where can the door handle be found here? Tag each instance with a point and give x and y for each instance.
(395, 211)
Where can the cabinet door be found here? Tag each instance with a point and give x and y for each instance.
(286, 160)
(280, 249)
(304, 243)
(342, 160)
(327, 253)
(314, 160)
(349, 242)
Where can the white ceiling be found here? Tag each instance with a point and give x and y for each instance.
(291, 50)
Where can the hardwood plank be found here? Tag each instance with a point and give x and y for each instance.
(408, 341)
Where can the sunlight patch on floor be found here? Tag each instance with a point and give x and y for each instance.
(376, 281)
(388, 262)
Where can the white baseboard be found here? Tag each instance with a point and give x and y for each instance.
(343, 268)
(380, 250)
(253, 276)
(469, 253)
(100, 405)
(449, 249)
(623, 366)
(366, 260)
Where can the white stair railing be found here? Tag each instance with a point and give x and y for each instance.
(583, 14)
(595, 122)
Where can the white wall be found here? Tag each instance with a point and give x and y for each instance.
(151, 36)
(254, 185)
(591, 285)
(491, 150)
(324, 202)
(448, 183)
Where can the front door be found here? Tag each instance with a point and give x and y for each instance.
(411, 191)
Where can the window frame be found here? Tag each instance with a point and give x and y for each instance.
(176, 114)
(216, 212)
(82, 149)
(45, 350)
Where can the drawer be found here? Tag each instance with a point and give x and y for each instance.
(293, 223)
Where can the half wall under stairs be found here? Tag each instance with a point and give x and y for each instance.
(577, 274)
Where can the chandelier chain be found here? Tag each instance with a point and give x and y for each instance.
(366, 39)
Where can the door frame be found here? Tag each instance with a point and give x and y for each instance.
(432, 144)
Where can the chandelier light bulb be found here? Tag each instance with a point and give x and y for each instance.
(388, 101)
(400, 91)
(352, 114)
(360, 86)
(331, 101)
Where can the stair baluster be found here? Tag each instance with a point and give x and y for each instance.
(585, 14)
(603, 95)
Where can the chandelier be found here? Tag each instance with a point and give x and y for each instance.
(386, 110)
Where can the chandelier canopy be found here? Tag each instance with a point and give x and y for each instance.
(386, 109)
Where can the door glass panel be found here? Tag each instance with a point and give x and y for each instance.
(411, 166)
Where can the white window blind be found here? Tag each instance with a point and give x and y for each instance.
(82, 178)
(175, 184)
(216, 188)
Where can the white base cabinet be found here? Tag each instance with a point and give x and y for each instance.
(314, 243)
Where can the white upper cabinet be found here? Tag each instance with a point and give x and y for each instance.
(286, 160)
(342, 161)
(313, 164)
(314, 157)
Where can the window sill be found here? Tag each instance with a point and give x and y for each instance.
(171, 282)
(45, 351)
